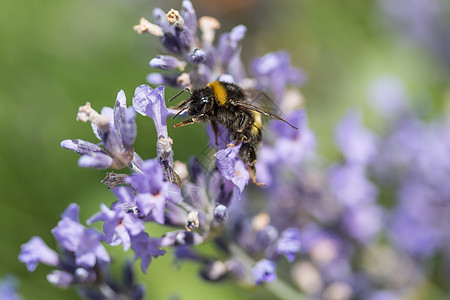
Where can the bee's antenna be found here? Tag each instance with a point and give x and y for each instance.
(181, 92)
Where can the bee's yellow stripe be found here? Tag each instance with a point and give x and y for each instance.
(256, 123)
(219, 92)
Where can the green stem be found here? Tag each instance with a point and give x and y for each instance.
(278, 287)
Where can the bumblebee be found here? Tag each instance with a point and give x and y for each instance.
(231, 106)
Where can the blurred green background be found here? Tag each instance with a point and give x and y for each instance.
(56, 55)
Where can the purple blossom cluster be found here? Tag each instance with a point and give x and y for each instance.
(81, 260)
(323, 221)
(423, 22)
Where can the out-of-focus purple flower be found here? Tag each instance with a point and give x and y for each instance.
(289, 243)
(387, 96)
(36, 251)
(422, 21)
(413, 235)
(145, 248)
(363, 222)
(118, 225)
(150, 102)
(229, 50)
(188, 14)
(85, 243)
(398, 150)
(8, 289)
(291, 146)
(264, 270)
(322, 246)
(173, 80)
(357, 144)
(384, 295)
(232, 168)
(274, 72)
(351, 186)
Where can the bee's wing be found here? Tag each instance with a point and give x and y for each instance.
(261, 100)
(260, 110)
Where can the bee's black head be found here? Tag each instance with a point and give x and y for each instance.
(202, 102)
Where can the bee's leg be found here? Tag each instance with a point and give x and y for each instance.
(189, 121)
(238, 142)
(241, 122)
(252, 171)
(248, 155)
(215, 130)
(180, 105)
(185, 122)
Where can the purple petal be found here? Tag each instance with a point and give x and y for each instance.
(72, 212)
(80, 146)
(124, 120)
(225, 161)
(159, 16)
(36, 251)
(119, 109)
(145, 248)
(69, 234)
(154, 204)
(150, 102)
(95, 160)
(188, 14)
(240, 176)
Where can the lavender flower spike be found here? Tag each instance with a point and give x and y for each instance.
(150, 102)
(36, 251)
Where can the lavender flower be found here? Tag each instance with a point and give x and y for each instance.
(8, 288)
(145, 248)
(327, 212)
(357, 144)
(85, 243)
(263, 271)
(288, 244)
(36, 251)
(118, 225)
(150, 102)
(232, 168)
(117, 130)
(274, 72)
